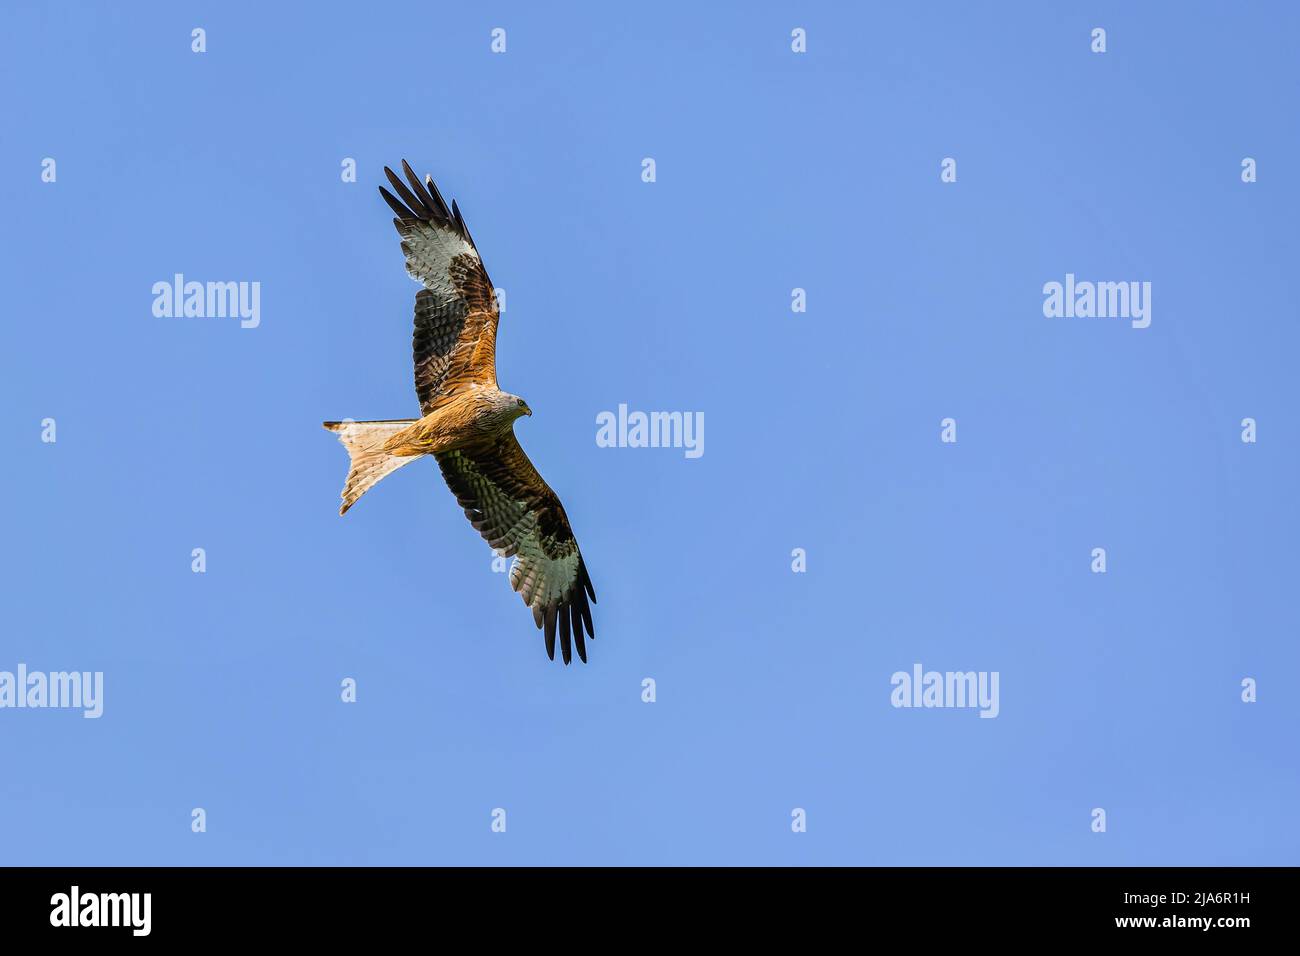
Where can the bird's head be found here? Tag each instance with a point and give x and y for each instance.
(520, 406)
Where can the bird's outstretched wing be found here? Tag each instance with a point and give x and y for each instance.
(456, 312)
(518, 514)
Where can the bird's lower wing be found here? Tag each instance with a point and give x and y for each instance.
(519, 515)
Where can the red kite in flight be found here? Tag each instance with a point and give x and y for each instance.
(468, 423)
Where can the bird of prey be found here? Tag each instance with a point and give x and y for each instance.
(468, 422)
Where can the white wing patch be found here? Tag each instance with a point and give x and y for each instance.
(538, 579)
(429, 251)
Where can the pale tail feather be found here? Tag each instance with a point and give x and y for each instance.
(365, 444)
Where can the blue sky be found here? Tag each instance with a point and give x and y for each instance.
(774, 171)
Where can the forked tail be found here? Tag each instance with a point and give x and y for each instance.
(365, 444)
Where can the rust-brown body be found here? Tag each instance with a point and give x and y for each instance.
(472, 417)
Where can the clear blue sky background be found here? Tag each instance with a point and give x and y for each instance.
(775, 171)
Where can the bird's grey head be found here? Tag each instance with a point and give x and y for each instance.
(513, 406)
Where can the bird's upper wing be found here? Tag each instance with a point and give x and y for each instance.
(518, 514)
(456, 312)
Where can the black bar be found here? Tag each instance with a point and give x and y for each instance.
(210, 905)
